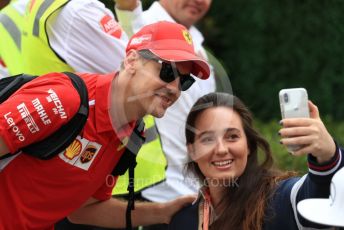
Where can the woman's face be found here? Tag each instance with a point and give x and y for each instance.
(220, 148)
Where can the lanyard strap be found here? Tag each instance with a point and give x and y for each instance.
(206, 210)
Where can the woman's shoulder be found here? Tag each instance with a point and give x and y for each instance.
(186, 218)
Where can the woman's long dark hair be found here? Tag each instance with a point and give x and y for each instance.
(243, 205)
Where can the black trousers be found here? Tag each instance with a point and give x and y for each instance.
(65, 224)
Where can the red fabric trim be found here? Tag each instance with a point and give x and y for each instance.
(324, 167)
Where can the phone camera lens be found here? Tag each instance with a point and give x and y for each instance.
(286, 98)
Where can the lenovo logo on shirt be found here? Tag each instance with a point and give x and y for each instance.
(15, 129)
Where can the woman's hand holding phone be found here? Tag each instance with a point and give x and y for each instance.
(309, 135)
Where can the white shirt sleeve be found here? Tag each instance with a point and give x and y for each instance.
(86, 36)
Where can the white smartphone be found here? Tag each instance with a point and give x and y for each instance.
(294, 104)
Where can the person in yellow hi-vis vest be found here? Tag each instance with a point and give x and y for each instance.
(11, 20)
(78, 35)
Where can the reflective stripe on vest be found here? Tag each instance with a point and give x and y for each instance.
(42, 9)
(39, 57)
(12, 29)
(10, 44)
(151, 162)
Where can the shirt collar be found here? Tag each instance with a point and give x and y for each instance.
(102, 102)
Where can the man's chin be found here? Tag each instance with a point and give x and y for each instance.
(158, 113)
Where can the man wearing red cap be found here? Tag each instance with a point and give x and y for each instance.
(168, 147)
(160, 62)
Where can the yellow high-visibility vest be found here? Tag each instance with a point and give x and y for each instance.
(39, 57)
(151, 162)
(10, 39)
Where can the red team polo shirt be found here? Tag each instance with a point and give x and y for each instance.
(34, 193)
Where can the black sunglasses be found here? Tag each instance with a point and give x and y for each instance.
(169, 72)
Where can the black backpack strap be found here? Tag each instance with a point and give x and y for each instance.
(128, 161)
(63, 137)
(9, 85)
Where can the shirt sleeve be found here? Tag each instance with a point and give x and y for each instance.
(86, 35)
(37, 109)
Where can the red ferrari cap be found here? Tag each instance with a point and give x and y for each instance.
(170, 42)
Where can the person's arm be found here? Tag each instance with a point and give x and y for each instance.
(86, 35)
(130, 15)
(324, 160)
(128, 5)
(111, 213)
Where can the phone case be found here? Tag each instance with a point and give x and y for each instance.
(294, 104)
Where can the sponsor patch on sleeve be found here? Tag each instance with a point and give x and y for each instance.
(110, 26)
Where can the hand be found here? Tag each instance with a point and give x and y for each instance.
(168, 209)
(310, 133)
(129, 5)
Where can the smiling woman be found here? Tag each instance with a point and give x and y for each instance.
(239, 191)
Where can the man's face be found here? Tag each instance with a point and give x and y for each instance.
(186, 12)
(153, 94)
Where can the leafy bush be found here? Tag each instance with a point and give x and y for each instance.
(273, 44)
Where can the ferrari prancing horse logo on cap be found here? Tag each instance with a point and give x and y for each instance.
(187, 36)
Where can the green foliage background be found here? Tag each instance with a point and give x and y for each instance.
(267, 45)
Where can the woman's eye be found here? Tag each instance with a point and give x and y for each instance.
(232, 137)
(207, 140)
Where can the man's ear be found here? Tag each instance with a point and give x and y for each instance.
(130, 61)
